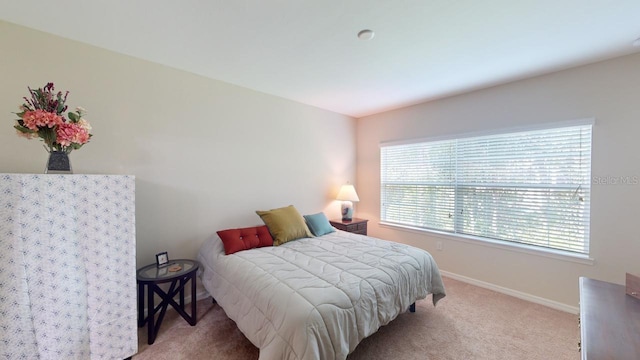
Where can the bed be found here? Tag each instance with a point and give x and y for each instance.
(317, 298)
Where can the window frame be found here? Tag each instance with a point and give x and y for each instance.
(581, 257)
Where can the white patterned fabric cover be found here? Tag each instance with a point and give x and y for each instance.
(317, 298)
(67, 267)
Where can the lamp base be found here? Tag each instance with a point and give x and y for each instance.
(347, 211)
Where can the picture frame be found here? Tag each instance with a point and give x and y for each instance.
(162, 259)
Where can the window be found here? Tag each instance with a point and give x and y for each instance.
(530, 187)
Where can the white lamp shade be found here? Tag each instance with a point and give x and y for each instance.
(347, 193)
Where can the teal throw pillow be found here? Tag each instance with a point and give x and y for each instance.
(318, 224)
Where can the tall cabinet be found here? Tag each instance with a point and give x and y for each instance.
(67, 267)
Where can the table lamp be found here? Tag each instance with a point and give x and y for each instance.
(347, 194)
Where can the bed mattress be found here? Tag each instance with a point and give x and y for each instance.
(317, 298)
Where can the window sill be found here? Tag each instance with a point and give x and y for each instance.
(503, 245)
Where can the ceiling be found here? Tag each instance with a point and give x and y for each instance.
(308, 51)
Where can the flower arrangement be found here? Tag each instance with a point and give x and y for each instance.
(42, 116)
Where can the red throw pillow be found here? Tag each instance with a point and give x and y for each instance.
(235, 240)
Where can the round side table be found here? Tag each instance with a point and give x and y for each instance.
(152, 275)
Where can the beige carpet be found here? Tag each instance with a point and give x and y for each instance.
(470, 323)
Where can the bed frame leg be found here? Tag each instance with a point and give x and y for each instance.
(412, 308)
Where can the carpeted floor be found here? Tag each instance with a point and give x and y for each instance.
(470, 323)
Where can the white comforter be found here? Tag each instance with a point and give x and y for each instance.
(317, 298)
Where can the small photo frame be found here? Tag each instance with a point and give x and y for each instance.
(162, 259)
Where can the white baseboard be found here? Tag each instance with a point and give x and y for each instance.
(518, 294)
(200, 295)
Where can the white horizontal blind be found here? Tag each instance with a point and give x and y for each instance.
(528, 187)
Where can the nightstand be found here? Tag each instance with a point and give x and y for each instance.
(356, 226)
(151, 276)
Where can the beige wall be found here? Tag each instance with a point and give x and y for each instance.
(205, 154)
(607, 91)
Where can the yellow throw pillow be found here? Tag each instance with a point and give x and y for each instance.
(285, 224)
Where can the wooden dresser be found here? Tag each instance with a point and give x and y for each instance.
(609, 321)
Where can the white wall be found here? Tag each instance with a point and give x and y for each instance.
(206, 154)
(608, 91)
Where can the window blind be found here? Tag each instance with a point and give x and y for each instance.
(529, 187)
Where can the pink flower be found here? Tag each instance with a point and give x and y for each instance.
(84, 124)
(43, 116)
(39, 118)
(71, 133)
